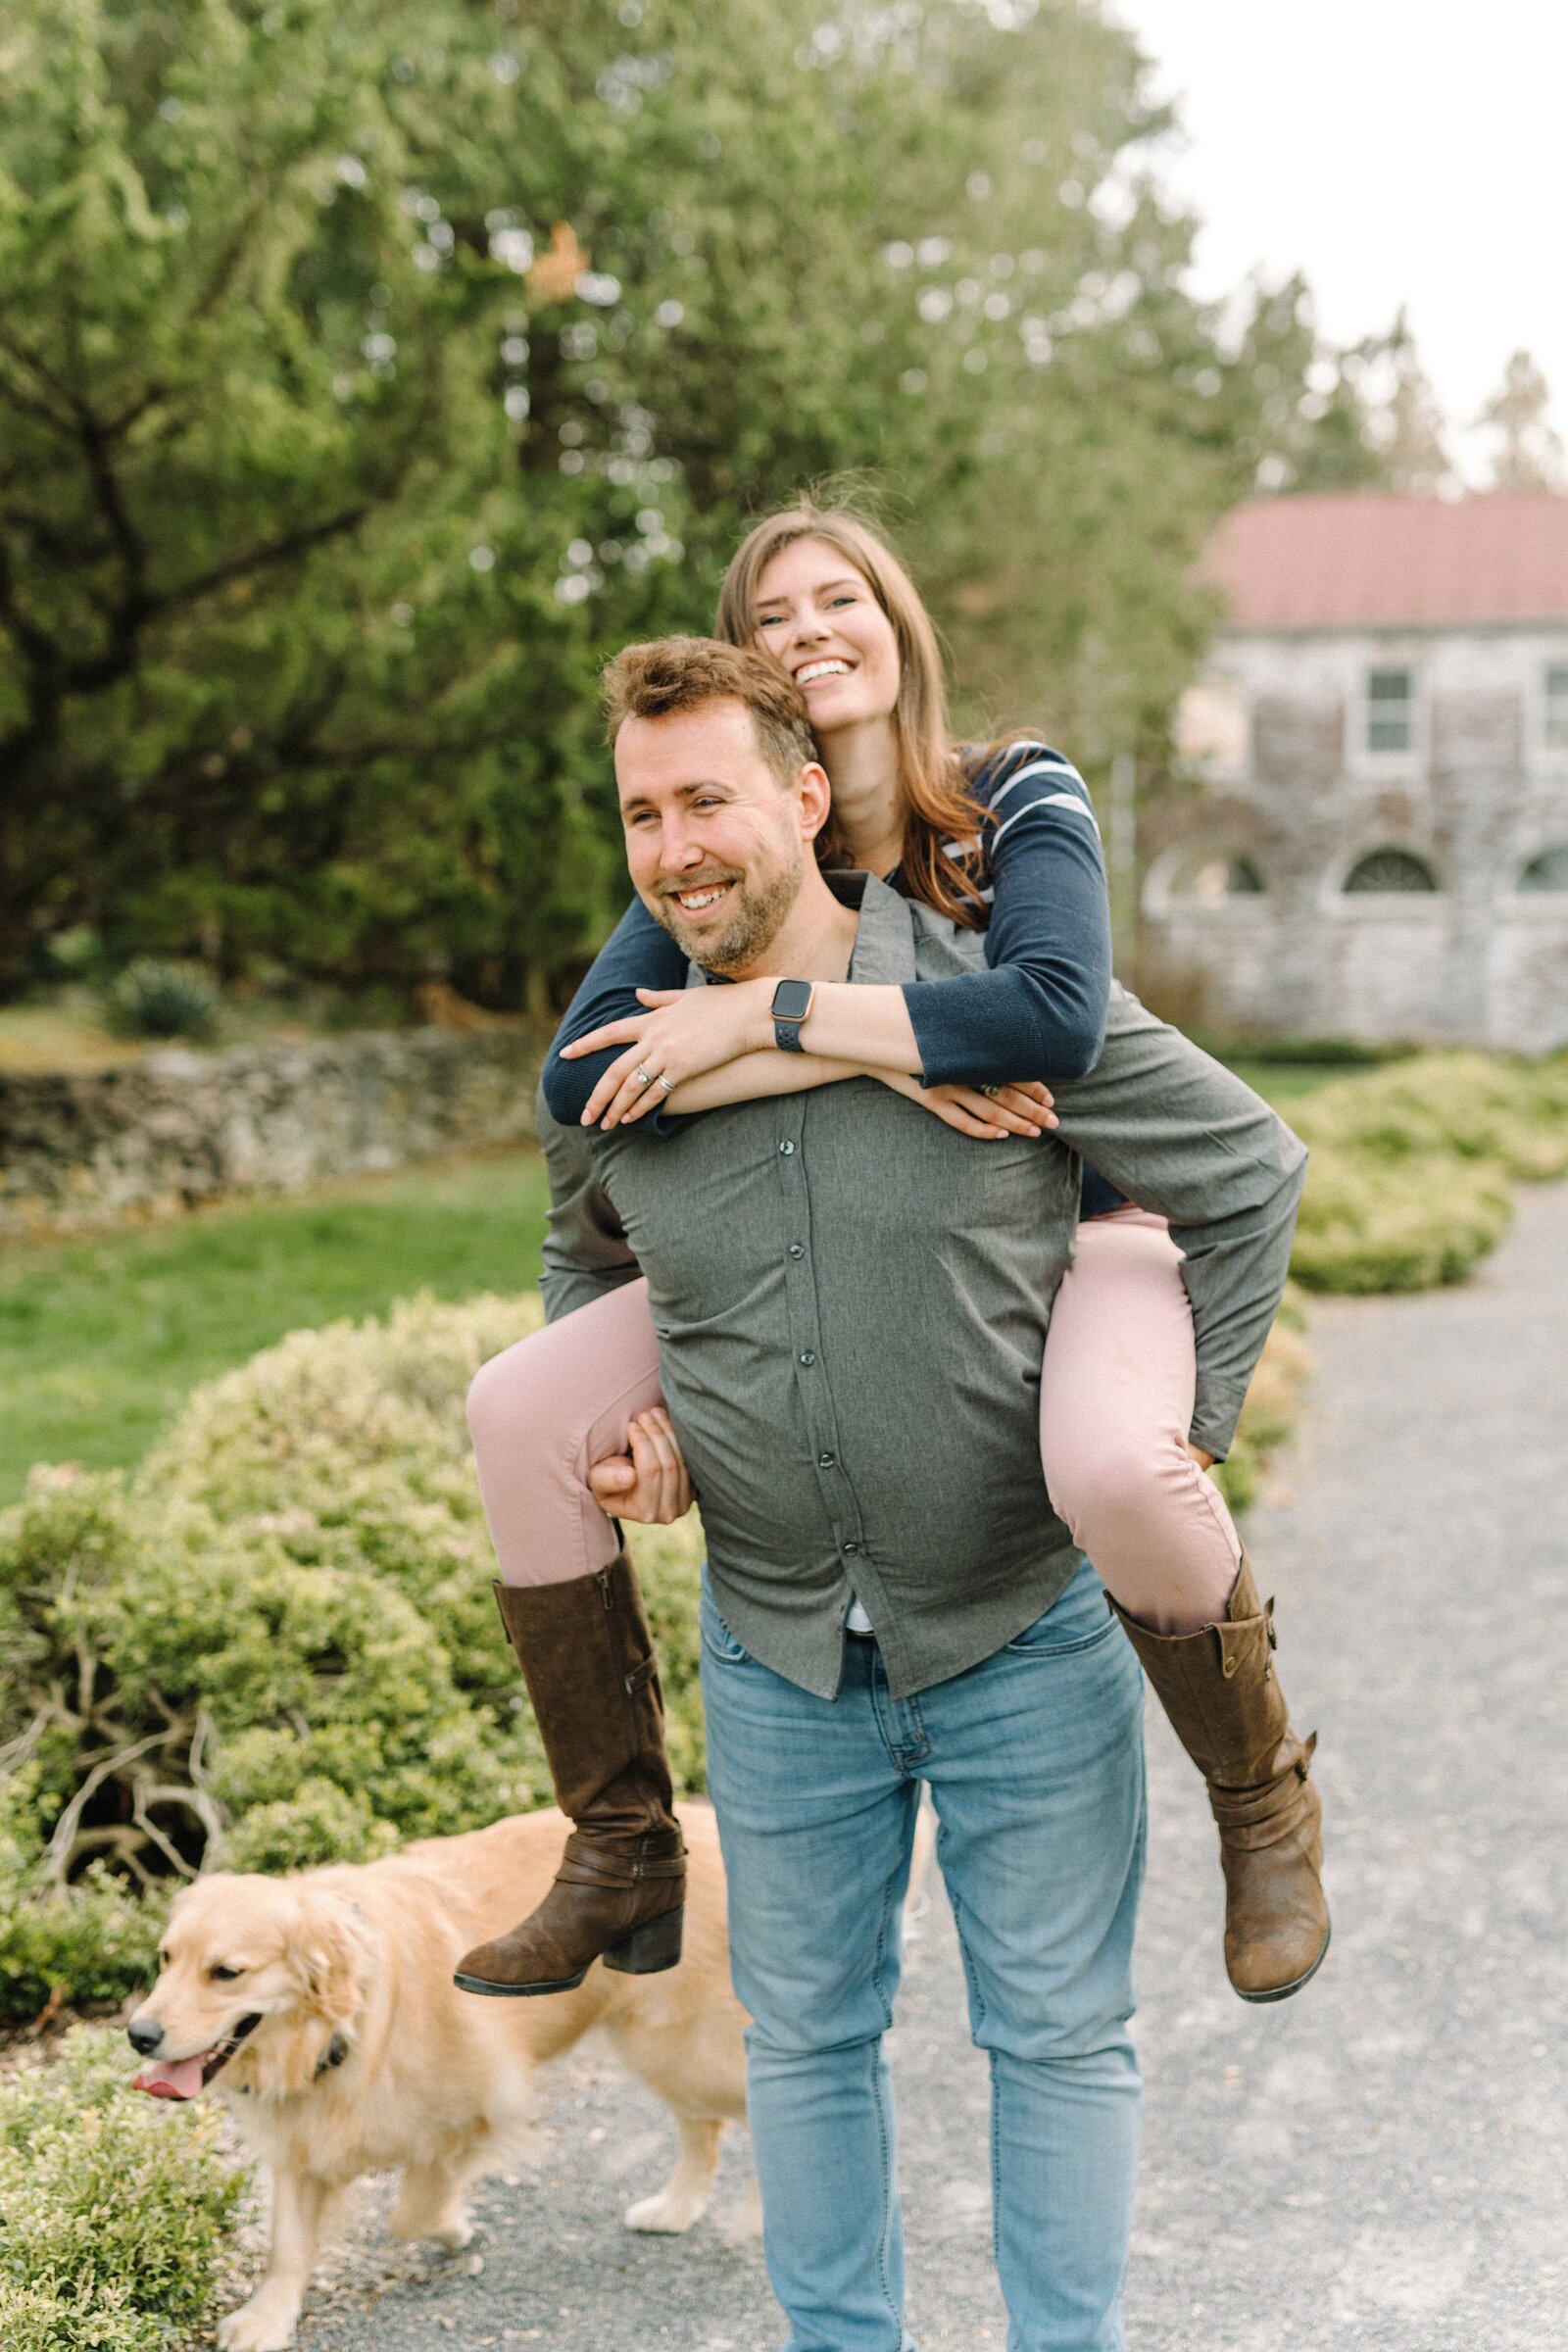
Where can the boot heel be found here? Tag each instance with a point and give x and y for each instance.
(648, 1949)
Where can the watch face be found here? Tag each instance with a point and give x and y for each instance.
(792, 1000)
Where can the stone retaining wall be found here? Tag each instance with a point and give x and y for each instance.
(80, 1149)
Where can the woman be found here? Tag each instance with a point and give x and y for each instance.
(1005, 840)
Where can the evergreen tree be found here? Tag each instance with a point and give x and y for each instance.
(371, 368)
(1415, 453)
(1528, 452)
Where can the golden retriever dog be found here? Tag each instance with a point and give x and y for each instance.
(321, 2009)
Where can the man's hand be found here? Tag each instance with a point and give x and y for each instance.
(1024, 1108)
(651, 1482)
(1204, 1461)
(684, 1032)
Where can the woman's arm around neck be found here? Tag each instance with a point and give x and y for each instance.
(638, 954)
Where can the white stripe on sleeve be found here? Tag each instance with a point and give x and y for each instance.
(1054, 799)
(1038, 767)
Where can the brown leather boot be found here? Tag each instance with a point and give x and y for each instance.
(587, 1657)
(1220, 1688)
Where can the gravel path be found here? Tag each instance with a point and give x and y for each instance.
(1379, 2166)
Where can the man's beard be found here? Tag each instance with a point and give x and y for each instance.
(755, 916)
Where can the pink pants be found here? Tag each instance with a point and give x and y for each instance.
(1116, 1404)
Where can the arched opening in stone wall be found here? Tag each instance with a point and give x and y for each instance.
(1547, 871)
(1387, 874)
(1211, 876)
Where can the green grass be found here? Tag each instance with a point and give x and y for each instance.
(1282, 1083)
(102, 1339)
(1288, 1069)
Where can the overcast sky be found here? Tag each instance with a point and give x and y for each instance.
(1397, 152)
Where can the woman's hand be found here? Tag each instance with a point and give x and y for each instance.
(684, 1032)
(1024, 1108)
(651, 1482)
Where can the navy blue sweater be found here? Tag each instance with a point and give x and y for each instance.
(1039, 1011)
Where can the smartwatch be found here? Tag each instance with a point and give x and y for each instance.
(792, 1002)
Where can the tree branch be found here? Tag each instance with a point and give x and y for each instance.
(62, 1845)
(258, 558)
(46, 375)
(43, 655)
(18, 1750)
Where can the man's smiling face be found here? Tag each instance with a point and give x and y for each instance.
(715, 838)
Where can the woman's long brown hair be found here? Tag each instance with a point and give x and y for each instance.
(938, 804)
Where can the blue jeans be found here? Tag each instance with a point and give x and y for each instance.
(1035, 1763)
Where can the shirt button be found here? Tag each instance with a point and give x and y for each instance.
(796, 1250)
(786, 1149)
(827, 1461)
(807, 1356)
(850, 1550)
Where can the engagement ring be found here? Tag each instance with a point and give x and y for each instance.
(642, 1076)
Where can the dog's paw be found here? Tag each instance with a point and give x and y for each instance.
(256, 2326)
(447, 2226)
(667, 2215)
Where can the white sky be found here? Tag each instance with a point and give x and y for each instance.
(1394, 150)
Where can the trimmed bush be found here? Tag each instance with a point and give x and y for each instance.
(1409, 1181)
(154, 999)
(49, 2318)
(1273, 1401)
(115, 2211)
(275, 1647)
(95, 1942)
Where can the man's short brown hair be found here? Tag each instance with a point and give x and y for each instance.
(681, 673)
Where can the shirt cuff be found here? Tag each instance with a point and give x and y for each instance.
(1215, 1413)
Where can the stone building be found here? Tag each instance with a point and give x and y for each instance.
(1375, 844)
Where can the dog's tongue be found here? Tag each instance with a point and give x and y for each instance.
(182, 2079)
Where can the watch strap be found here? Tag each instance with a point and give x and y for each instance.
(788, 1015)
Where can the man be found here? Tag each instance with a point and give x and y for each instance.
(852, 1303)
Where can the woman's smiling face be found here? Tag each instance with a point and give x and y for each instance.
(819, 615)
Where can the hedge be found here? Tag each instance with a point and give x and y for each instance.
(1273, 1401)
(1411, 1166)
(115, 2212)
(275, 1645)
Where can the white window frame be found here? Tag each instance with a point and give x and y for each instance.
(1555, 704)
(1412, 707)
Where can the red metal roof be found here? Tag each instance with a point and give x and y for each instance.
(1367, 560)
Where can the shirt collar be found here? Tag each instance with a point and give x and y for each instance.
(884, 942)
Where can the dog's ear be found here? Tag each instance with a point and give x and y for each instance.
(332, 1950)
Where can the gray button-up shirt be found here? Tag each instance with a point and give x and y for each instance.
(852, 1304)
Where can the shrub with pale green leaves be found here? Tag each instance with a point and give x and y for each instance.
(154, 999)
(1273, 1401)
(1411, 1166)
(275, 1647)
(115, 2211)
